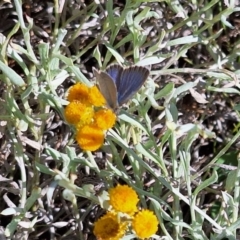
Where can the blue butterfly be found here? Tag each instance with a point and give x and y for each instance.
(118, 84)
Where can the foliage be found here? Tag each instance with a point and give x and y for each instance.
(170, 143)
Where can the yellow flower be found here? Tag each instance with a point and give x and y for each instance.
(95, 97)
(79, 92)
(90, 137)
(123, 199)
(104, 118)
(145, 224)
(78, 113)
(109, 228)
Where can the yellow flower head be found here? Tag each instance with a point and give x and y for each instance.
(90, 137)
(79, 92)
(123, 199)
(105, 118)
(109, 228)
(145, 224)
(78, 113)
(95, 97)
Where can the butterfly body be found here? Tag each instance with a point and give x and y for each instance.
(119, 84)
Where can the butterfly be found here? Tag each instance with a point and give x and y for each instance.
(119, 84)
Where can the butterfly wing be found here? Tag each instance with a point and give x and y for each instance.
(107, 87)
(130, 82)
(115, 71)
